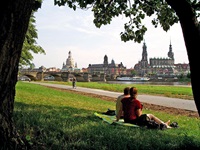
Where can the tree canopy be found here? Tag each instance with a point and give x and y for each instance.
(30, 44)
(136, 11)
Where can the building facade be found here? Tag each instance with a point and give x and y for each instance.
(70, 66)
(159, 66)
(107, 68)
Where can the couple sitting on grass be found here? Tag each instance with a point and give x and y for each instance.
(129, 108)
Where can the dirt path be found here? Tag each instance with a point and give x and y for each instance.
(169, 110)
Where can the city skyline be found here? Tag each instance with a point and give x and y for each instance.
(61, 30)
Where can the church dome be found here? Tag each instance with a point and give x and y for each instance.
(70, 61)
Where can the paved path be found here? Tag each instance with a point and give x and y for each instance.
(158, 100)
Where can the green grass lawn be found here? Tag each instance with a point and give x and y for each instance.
(52, 119)
(167, 90)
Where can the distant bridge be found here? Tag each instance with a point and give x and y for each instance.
(39, 75)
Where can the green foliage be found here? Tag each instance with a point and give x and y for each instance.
(133, 72)
(136, 11)
(30, 44)
(37, 5)
(54, 119)
(189, 75)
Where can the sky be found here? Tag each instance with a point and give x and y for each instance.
(61, 29)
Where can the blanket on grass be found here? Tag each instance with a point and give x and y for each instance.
(111, 120)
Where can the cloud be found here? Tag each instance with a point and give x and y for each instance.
(61, 30)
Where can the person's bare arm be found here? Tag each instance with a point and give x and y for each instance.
(119, 113)
(138, 112)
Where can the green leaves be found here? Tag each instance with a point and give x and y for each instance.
(30, 45)
(105, 10)
(130, 34)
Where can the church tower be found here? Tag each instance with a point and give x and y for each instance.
(144, 61)
(70, 61)
(105, 62)
(170, 53)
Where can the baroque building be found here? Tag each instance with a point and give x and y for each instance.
(107, 68)
(70, 66)
(156, 66)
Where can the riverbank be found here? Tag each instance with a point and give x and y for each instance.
(148, 106)
(184, 84)
(182, 92)
(55, 119)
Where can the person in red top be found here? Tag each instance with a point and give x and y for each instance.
(132, 110)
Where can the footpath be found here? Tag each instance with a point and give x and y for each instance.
(157, 100)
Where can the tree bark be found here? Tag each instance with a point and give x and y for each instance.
(14, 20)
(191, 34)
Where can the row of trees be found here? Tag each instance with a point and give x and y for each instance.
(15, 18)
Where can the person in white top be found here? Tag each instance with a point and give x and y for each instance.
(119, 98)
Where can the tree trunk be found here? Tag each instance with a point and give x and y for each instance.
(14, 20)
(191, 34)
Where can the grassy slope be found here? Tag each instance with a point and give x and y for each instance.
(184, 92)
(60, 120)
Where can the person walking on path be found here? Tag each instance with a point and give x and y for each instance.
(118, 101)
(74, 82)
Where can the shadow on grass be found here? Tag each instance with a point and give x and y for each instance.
(63, 127)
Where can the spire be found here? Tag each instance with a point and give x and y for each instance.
(113, 62)
(170, 46)
(170, 53)
(69, 54)
(70, 61)
(144, 52)
(105, 62)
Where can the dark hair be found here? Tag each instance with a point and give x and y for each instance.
(133, 92)
(126, 90)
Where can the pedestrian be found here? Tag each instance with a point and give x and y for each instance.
(74, 82)
(132, 109)
(119, 104)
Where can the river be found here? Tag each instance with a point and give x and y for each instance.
(152, 83)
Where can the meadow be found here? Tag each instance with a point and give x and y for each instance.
(183, 92)
(53, 119)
